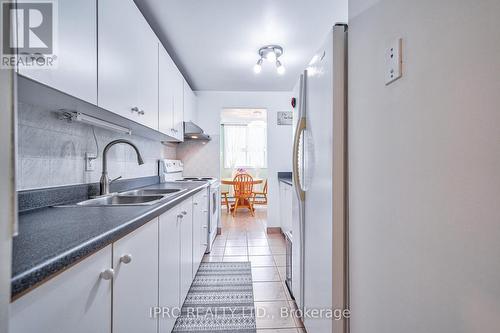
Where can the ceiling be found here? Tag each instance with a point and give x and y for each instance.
(215, 43)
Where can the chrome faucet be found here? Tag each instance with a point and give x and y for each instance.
(105, 182)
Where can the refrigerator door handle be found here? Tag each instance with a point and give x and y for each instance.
(301, 195)
(301, 126)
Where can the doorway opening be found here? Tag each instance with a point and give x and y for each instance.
(243, 154)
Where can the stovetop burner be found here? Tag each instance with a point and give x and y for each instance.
(188, 179)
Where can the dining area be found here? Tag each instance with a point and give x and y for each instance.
(243, 192)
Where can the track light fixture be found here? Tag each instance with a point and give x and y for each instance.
(270, 53)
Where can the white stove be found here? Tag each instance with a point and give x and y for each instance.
(172, 171)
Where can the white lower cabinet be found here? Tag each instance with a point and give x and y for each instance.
(117, 289)
(77, 300)
(135, 285)
(169, 269)
(200, 228)
(286, 192)
(186, 219)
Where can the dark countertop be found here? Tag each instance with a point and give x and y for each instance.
(285, 177)
(52, 239)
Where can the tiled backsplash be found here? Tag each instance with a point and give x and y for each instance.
(51, 152)
(201, 159)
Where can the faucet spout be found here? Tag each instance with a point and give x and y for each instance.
(104, 177)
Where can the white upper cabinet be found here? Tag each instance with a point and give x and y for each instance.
(135, 286)
(76, 51)
(128, 63)
(166, 69)
(78, 300)
(190, 103)
(148, 80)
(171, 97)
(179, 105)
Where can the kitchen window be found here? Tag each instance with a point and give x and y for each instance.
(245, 146)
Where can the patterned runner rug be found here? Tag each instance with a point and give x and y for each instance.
(220, 300)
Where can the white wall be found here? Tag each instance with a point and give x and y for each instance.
(425, 167)
(279, 138)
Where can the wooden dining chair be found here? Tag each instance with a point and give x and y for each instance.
(225, 200)
(243, 192)
(261, 195)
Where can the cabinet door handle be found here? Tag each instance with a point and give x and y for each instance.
(140, 112)
(184, 212)
(205, 227)
(195, 203)
(126, 258)
(205, 211)
(107, 274)
(180, 216)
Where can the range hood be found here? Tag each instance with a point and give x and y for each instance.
(194, 132)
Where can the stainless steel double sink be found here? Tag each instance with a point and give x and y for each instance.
(139, 197)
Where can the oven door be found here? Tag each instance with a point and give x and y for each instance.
(214, 214)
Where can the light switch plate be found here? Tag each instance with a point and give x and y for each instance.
(394, 61)
(90, 161)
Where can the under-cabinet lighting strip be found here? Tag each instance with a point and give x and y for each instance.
(77, 116)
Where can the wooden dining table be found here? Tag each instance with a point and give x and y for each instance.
(230, 181)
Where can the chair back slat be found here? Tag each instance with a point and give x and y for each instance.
(243, 185)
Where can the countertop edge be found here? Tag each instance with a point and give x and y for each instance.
(23, 283)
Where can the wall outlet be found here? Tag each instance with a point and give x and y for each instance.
(90, 161)
(394, 61)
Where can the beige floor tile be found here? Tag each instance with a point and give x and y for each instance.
(296, 318)
(236, 242)
(278, 249)
(278, 330)
(262, 261)
(258, 242)
(235, 259)
(219, 242)
(265, 274)
(212, 259)
(273, 241)
(259, 251)
(217, 251)
(269, 315)
(280, 260)
(256, 235)
(268, 291)
(235, 251)
(282, 271)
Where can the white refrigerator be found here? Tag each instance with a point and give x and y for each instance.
(319, 226)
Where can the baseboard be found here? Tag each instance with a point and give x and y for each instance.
(274, 230)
